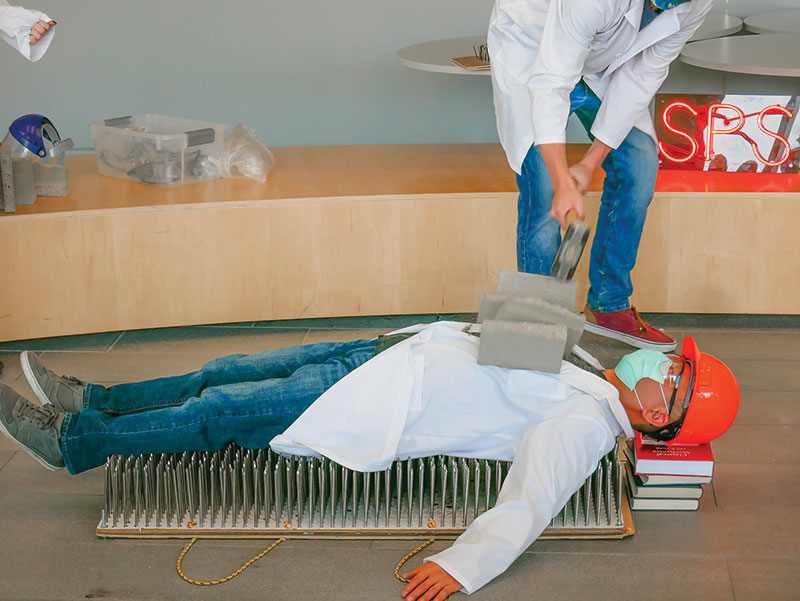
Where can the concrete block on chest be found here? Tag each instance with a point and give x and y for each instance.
(544, 287)
(520, 345)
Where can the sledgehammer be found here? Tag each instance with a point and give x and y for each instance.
(571, 249)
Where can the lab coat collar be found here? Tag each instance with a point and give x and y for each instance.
(598, 388)
(634, 14)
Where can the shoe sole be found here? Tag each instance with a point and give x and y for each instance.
(664, 347)
(31, 452)
(24, 361)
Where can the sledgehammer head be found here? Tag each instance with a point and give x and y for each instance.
(572, 245)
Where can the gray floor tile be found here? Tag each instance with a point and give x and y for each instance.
(86, 342)
(617, 546)
(5, 457)
(758, 444)
(152, 360)
(11, 368)
(759, 579)
(777, 408)
(558, 577)
(694, 321)
(25, 475)
(729, 530)
(766, 374)
(757, 484)
(727, 345)
(378, 322)
(226, 340)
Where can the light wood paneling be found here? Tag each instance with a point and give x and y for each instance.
(196, 260)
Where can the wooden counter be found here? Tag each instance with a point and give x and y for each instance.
(364, 230)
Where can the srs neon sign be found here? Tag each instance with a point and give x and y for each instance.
(719, 119)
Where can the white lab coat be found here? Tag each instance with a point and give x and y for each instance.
(15, 28)
(427, 395)
(540, 49)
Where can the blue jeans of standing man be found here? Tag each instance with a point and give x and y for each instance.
(246, 399)
(627, 191)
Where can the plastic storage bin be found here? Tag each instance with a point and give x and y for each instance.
(158, 150)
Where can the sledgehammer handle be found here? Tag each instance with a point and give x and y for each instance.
(572, 215)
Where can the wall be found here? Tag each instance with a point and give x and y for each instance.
(300, 73)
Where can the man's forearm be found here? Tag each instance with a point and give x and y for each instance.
(555, 158)
(596, 154)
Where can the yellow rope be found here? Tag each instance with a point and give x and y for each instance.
(227, 578)
(407, 557)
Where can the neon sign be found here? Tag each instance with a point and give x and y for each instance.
(691, 133)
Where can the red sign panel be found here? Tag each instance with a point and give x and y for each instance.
(757, 134)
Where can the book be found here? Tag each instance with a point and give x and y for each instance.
(640, 491)
(662, 479)
(664, 504)
(472, 63)
(674, 460)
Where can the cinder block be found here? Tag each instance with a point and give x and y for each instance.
(535, 310)
(24, 184)
(490, 305)
(50, 179)
(7, 182)
(544, 287)
(519, 345)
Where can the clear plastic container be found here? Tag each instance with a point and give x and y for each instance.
(158, 150)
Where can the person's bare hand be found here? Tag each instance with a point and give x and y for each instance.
(430, 582)
(566, 198)
(582, 174)
(39, 29)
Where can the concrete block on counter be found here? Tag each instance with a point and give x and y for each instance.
(50, 179)
(7, 183)
(24, 183)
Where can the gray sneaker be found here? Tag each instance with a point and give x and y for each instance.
(64, 392)
(35, 429)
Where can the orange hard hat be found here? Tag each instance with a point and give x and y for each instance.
(713, 397)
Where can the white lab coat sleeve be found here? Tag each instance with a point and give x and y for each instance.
(633, 86)
(16, 23)
(569, 29)
(554, 459)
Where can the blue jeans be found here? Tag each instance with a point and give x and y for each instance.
(246, 399)
(627, 191)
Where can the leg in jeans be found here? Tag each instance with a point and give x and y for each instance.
(628, 188)
(627, 191)
(248, 413)
(174, 390)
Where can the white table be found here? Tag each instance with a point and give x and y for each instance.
(785, 21)
(717, 25)
(768, 54)
(437, 56)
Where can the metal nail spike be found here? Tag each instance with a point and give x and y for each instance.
(398, 489)
(420, 489)
(301, 490)
(355, 483)
(234, 487)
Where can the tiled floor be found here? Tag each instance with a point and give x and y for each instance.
(743, 544)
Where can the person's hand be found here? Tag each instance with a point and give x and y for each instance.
(430, 582)
(582, 174)
(566, 198)
(39, 29)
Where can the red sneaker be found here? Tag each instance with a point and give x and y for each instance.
(629, 327)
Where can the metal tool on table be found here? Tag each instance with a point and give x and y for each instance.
(572, 244)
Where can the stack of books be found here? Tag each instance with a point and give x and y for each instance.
(667, 478)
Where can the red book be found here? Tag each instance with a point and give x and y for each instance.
(654, 457)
